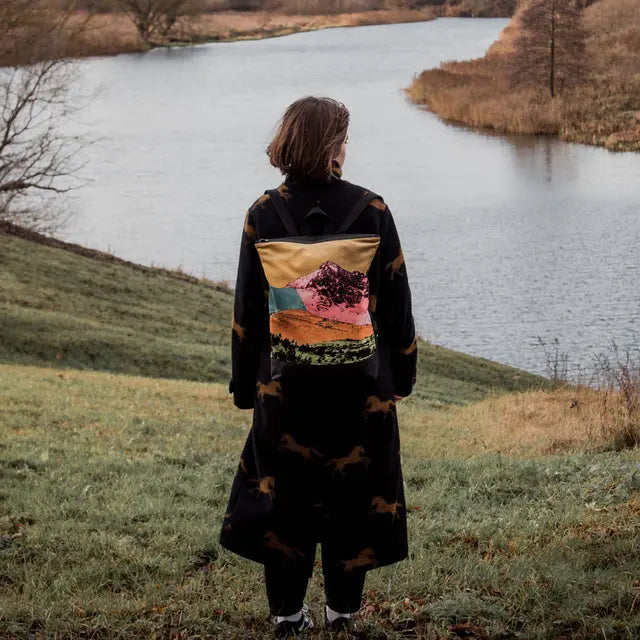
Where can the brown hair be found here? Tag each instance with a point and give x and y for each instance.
(309, 136)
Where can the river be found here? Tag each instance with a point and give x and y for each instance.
(506, 238)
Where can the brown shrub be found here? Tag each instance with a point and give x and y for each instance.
(319, 7)
(618, 379)
(478, 8)
(528, 423)
(602, 110)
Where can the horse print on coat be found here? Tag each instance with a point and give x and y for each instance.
(355, 457)
(395, 266)
(241, 332)
(365, 559)
(250, 233)
(261, 200)
(272, 541)
(288, 443)
(273, 388)
(409, 350)
(266, 487)
(375, 405)
(380, 506)
(283, 190)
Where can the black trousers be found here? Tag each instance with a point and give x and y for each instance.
(287, 584)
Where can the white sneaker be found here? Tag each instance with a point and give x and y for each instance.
(288, 628)
(339, 622)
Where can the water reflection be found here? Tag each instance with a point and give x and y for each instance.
(542, 159)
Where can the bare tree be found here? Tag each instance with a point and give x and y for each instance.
(153, 18)
(38, 154)
(550, 50)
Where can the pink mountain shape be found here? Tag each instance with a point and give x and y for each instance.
(335, 293)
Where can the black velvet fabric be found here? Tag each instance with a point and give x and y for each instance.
(322, 460)
(286, 584)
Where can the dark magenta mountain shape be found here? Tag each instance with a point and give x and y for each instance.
(333, 283)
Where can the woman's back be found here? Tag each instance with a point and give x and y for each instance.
(318, 436)
(322, 460)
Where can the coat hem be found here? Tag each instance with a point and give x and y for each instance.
(260, 559)
(242, 553)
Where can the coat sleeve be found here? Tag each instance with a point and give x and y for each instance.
(250, 319)
(394, 314)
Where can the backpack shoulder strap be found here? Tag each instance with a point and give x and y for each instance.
(356, 210)
(283, 213)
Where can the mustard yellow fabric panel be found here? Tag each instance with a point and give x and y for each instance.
(286, 261)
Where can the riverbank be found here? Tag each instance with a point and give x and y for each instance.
(120, 442)
(603, 111)
(114, 33)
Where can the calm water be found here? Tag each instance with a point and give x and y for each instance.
(505, 238)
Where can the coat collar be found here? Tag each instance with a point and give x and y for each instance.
(336, 174)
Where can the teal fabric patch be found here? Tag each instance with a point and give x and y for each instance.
(283, 299)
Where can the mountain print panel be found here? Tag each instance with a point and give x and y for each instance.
(305, 328)
(335, 293)
(336, 352)
(329, 292)
(319, 314)
(285, 261)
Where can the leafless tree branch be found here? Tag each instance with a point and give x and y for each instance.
(39, 154)
(153, 18)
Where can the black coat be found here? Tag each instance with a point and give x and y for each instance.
(322, 461)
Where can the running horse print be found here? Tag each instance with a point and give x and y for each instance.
(322, 459)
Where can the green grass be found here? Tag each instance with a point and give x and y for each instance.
(62, 309)
(113, 486)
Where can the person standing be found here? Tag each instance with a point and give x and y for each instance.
(321, 463)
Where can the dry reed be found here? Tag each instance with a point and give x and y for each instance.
(526, 424)
(605, 110)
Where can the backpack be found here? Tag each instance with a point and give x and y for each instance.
(319, 316)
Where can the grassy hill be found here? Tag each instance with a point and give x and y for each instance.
(522, 522)
(65, 307)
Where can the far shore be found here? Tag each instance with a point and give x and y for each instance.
(114, 33)
(601, 111)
